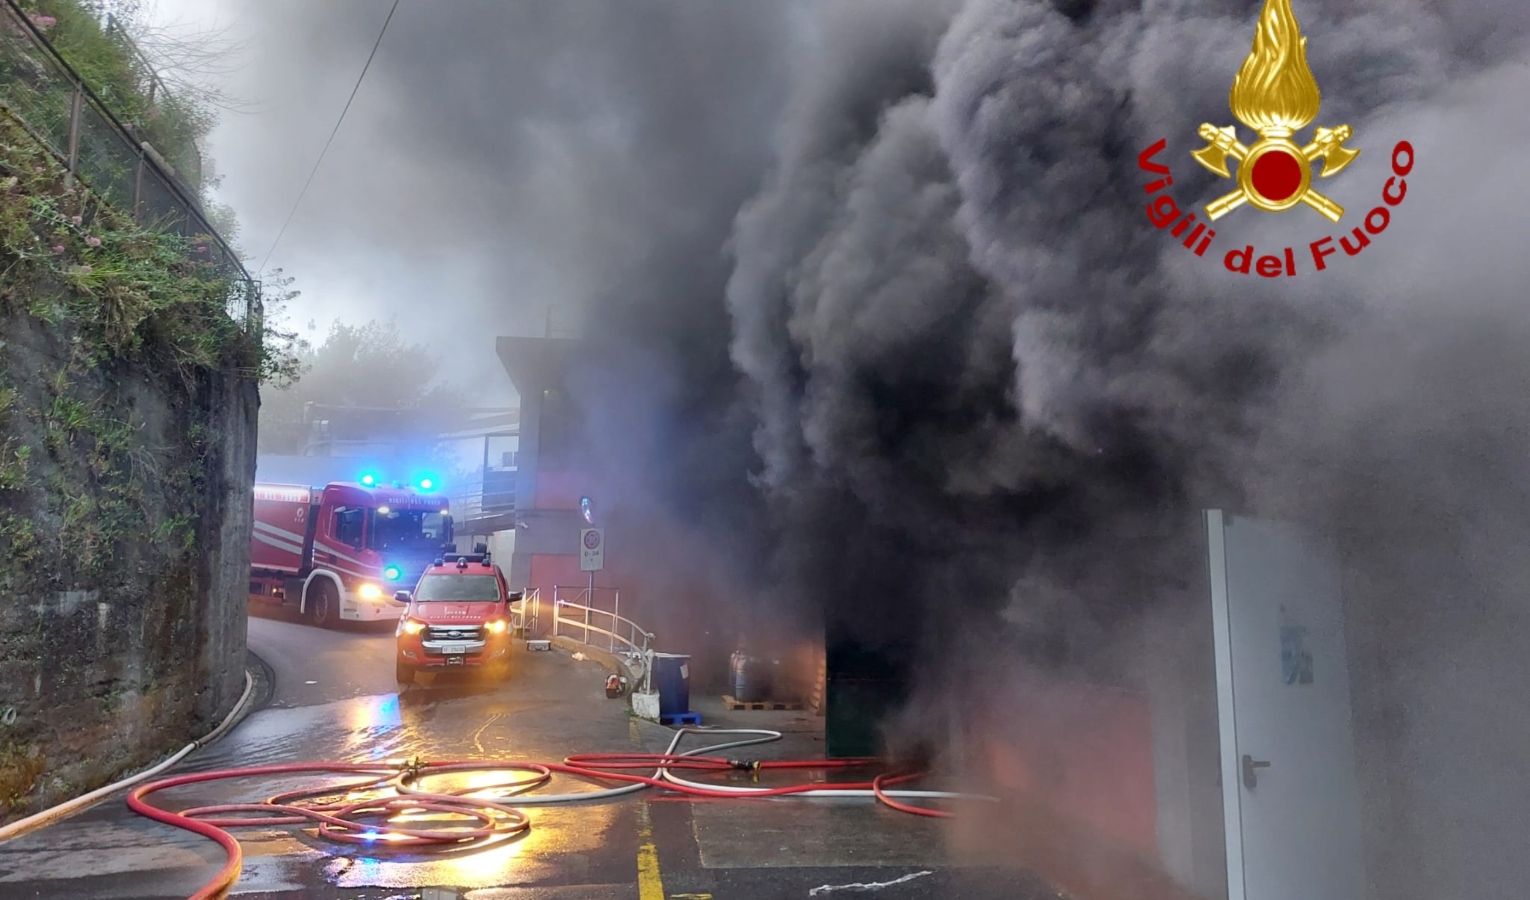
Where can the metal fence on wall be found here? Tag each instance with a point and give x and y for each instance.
(186, 157)
(41, 91)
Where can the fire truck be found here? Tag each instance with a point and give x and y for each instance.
(343, 550)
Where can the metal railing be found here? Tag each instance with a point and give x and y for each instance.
(185, 156)
(42, 92)
(526, 618)
(471, 500)
(623, 637)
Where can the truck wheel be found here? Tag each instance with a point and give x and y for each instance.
(403, 674)
(321, 605)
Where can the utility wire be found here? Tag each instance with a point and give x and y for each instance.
(320, 160)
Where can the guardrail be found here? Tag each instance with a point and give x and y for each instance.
(472, 499)
(624, 637)
(44, 93)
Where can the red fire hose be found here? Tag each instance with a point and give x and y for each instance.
(379, 810)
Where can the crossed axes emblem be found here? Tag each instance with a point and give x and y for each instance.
(1327, 144)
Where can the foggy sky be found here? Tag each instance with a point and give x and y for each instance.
(499, 159)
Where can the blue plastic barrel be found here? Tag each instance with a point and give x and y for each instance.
(672, 677)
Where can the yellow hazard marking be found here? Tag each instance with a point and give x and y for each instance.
(650, 885)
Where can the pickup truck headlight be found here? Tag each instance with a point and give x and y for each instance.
(497, 626)
(410, 626)
(369, 592)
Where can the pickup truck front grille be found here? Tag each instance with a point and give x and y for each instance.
(456, 633)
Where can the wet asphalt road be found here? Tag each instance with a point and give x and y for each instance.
(334, 699)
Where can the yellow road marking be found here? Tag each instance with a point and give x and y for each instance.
(650, 885)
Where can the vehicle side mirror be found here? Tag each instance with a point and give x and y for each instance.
(401, 596)
(516, 595)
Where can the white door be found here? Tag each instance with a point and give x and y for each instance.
(1289, 791)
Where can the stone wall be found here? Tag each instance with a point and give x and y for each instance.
(125, 516)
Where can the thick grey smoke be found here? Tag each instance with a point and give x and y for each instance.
(985, 381)
(955, 315)
(504, 158)
(977, 386)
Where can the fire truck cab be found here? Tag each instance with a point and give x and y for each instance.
(340, 552)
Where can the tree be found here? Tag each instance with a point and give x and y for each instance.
(281, 351)
(366, 376)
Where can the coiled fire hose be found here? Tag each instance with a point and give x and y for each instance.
(382, 808)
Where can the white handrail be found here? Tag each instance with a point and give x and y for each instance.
(525, 618)
(638, 641)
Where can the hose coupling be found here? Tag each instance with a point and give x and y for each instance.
(745, 765)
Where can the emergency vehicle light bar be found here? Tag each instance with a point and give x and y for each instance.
(462, 559)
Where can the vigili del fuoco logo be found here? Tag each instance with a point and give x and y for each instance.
(1276, 95)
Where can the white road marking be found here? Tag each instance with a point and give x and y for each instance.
(862, 886)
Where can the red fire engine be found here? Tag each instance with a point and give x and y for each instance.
(341, 551)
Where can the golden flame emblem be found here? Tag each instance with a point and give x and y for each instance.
(1275, 94)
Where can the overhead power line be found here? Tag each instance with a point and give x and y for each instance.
(320, 161)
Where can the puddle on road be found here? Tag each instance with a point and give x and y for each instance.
(542, 855)
(450, 722)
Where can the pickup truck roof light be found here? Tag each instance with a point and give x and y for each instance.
(462, 559)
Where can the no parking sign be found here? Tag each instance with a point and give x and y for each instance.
(592, 549)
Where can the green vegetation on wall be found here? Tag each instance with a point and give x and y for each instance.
(173, 122)
(75, 267)
(126, 407)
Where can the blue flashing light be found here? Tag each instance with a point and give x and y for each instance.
(392, 573)
(426, 484)
(369, 479)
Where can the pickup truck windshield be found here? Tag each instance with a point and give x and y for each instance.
(400, 529)
(459, 588)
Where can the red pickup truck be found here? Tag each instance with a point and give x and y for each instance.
(460, 615)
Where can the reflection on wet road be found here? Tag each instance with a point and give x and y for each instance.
(335, 700)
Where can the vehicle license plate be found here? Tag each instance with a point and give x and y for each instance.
(450, 649)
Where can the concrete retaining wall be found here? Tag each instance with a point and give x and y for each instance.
(125, 544)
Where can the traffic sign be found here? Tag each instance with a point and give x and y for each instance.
(592, 549)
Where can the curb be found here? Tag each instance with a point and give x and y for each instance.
(602, 658)
(265, 683)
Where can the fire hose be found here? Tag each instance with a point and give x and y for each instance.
(384, 808)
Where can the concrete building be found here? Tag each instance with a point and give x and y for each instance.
(552, 471)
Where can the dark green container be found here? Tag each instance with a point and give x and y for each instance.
(854, 712)
(863, 686)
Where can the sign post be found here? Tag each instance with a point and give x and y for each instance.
(592, 556)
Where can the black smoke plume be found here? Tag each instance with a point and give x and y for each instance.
(883, 329)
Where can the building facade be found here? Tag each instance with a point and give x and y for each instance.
(552, 470)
